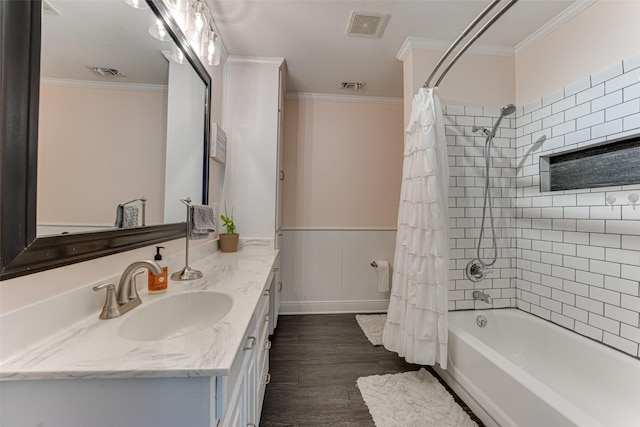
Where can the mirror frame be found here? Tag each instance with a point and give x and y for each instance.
(21, 252)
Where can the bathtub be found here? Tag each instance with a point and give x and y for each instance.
(520, 370)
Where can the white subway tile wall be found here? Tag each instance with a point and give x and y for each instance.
(466, 198)
(587, 279)
(565, 256)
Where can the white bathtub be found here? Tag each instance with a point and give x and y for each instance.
(520, 370)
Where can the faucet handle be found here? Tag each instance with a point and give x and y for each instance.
(133, 290)
(111, 308)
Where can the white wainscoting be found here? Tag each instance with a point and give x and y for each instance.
(329, 270)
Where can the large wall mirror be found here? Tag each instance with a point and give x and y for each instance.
(105, 127)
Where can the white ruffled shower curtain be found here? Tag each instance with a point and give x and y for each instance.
(416, 326)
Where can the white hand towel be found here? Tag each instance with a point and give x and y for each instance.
(383, 275)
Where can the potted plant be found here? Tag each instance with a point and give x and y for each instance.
(228, 241)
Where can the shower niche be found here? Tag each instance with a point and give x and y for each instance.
(607, 164)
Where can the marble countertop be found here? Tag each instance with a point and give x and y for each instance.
(93, 348)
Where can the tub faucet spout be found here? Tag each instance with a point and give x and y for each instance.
(481, 296)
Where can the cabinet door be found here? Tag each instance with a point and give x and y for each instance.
(280, 157)
(251, 397)
(277, 296)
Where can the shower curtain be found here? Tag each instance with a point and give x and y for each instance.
(416, 326)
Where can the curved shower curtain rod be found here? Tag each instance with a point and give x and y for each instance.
(472, 40)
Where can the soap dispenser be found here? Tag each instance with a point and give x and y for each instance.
(157, 283)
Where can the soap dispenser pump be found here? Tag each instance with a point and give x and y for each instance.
(157, 283)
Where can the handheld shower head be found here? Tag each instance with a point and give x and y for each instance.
(508, 110)
(504, 111)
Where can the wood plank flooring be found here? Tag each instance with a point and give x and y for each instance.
(315, 361)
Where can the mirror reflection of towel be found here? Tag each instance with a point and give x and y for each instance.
(202, 222)
(126, 216)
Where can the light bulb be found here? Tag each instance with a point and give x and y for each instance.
(199, 21)
(160, 28)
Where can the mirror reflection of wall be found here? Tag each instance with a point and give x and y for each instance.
(184, 140)
(103, 139)
(98, 147)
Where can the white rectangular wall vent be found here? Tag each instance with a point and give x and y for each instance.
(367, 24)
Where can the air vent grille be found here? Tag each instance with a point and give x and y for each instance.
(352, 85)
(107, 71)
(367, 24)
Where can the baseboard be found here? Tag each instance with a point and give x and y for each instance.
(324, 307)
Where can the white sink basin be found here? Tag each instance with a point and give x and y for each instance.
(175, 316)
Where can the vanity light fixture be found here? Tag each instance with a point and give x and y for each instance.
(196, 20)
(179, 5)
(210, 49)
(175, 54)
(157, 29)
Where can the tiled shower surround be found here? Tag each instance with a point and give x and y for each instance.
(566, 256)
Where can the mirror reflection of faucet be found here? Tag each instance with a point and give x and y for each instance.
(126, 297)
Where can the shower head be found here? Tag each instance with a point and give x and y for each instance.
(507, 110)
(504, 111)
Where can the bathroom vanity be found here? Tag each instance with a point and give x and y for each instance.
(195, 356)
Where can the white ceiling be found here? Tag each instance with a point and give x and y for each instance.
(311, 36)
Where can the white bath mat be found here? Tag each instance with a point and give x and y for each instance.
(411, 399)
(372, 325)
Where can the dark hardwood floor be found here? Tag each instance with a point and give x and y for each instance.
(315, 361)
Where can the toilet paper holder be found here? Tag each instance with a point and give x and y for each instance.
(374, 264)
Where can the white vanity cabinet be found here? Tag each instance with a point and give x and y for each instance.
(240, 394)
(89, 375)
(275, 295)
(253, 104)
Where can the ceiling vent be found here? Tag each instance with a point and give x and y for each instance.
(48, 9)
(352, 85)
(367, 24)
(106, 71)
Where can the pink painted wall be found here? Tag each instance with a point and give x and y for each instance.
(342, 163)
(605, 32)
(79, 149)
(475, 80)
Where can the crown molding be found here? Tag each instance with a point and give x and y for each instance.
(138, 87)
(255, 60)
(435, 44)
(555, 23)
(343, 98)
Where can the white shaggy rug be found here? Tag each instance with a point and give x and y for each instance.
(411, 399)
(372, 326)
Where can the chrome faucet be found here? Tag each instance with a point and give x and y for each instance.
(481, 296)
(126, 297)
